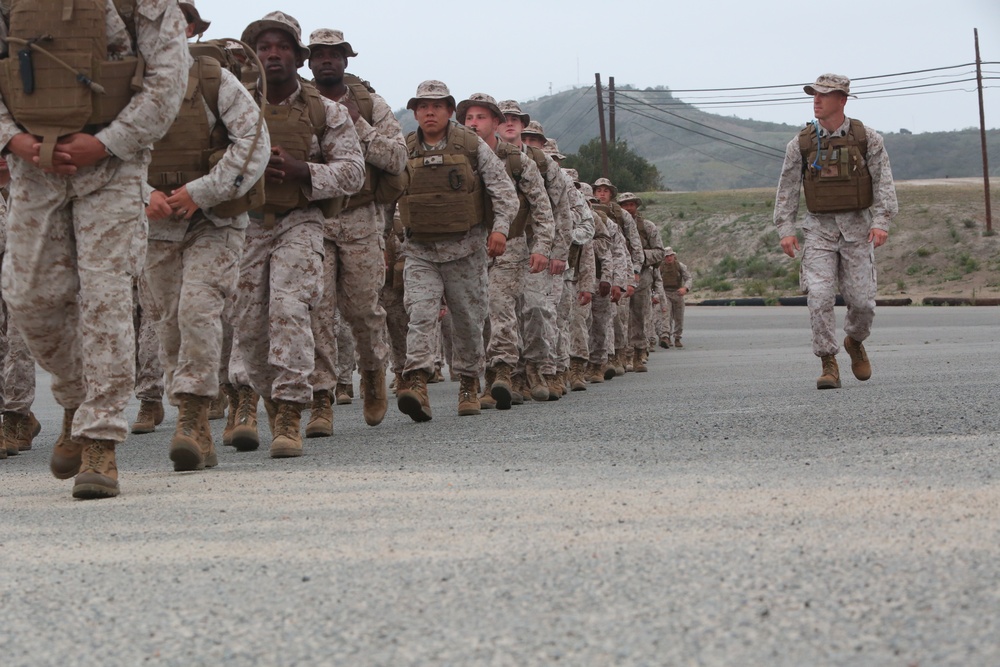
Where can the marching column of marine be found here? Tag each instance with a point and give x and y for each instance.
(191, 218)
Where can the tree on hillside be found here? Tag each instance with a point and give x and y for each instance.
(630, 172)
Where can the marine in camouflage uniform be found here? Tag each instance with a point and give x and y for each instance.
(641, 303)
(676, 281)
(353, 265)
(193, 260)
(76, 237)
(449, 265)
(391, 297)
(542, 290)
(507, 274)
(281, 275)
(839, 247)
(613, 273)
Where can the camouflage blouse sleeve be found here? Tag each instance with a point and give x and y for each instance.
(885, 206)
(342, 171)
(161, 42)
(499, 186)
(532, 187)
(383, 142)
(786, 200)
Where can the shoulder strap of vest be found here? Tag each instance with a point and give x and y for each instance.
(807, 138)
(465, 139)
(362, 92)
(412, 144)
(860, 136)
(317, 111)
(538, 155)
(210, 80)
(512, 158)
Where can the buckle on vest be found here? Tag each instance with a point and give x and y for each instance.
(433, 160)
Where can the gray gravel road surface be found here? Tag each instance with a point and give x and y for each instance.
(718, 510)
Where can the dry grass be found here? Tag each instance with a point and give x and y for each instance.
(936, 246)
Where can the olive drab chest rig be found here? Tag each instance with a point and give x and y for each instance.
(835, 173)
(191, 148)
(513, 160)
(58, 78)
(445, 194)
(670, 272)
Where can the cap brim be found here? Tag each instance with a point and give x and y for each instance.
(348, 51)
(465, 105)
(254, 30)
(412, 104)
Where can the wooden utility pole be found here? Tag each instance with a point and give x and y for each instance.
(982, 134)
(600, 117)
(611, 110)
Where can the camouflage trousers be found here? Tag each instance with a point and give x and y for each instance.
(506, 284)
(17, 390)
(185, 289)
(639, 310)
(538, 326)
(74, 245)
(353, 275)
(396, 324)
(580, 320)
(826, 264)
(674, 316)
(462, 283)
(621, 322)
(281, 281)
(347, 358)
(602, 312)
(567, 297)
(148, 367)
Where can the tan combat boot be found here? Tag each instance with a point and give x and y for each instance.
(638, 362)
(468, 396)
(271, 408)
(486, 400)
(860, 366)
(677, 342)
(217, 409)
(830, 379)
(98, 476)
(627, 359)
(187, 447)
(665, 342)
(14, 427)
(595, 373)
(150, 416)
(320, 423)
(412, 399)
(67, 452)
(577, 377)
(233, 399)
(617, 363)
(245, 437)
(344, 393)
(376, 401)
(536, 383)
(394, 385)
(518, 389)
(609, 371)
(502, 389)
(287, 436)
(555, 386)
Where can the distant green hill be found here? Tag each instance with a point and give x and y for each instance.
(690, 160)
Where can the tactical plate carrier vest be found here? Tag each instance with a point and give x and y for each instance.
(513, 160)
(60, 80)
(671, 273)
(834, 171)
(380, 186)
(293, 126)
(445, 195)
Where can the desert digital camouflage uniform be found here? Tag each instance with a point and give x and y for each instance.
(652, 252)
(582, 234)
(456, 270)
(615, 271)
(193, 260)
(76, 242)
(673, 278)
(17, 382)
(281, 274)
(354, 264)
(346, 362)
(837, 251)
(391, 297)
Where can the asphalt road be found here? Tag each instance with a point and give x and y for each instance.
(718, 510)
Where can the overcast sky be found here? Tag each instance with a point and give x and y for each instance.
(525, 50)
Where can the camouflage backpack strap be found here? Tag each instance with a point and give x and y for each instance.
(209, 81)
(315, 107)
(538, 155)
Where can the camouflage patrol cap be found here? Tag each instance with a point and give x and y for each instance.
(329, 37)
(588, 192)
(477, 100)
(511, 107)
(574, 175)
(551, 148)
(827, 83)
(668, 251)
(431, 90)
(603, 181)
(628, 196)
(276, 21)
(534, 128)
